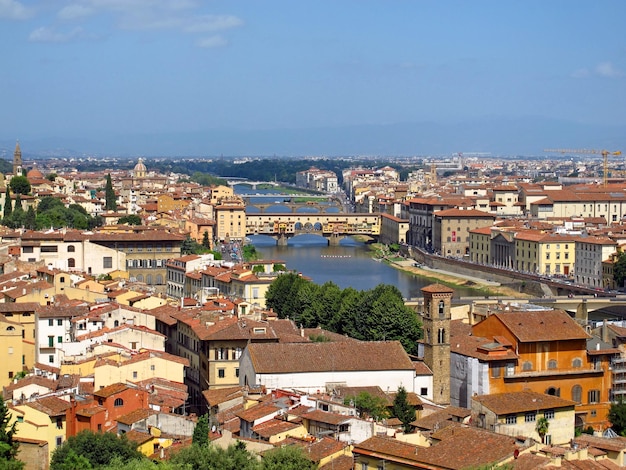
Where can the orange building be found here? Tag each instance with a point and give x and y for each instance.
(541, 351)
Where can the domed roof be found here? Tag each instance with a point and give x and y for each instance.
(140, 167)
(34, 174)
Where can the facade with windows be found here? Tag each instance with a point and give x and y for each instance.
(540, 351)
(517, 414)
(591, 252)
(452, 227)
(545, 253)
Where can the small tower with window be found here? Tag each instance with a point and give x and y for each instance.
(436, 322)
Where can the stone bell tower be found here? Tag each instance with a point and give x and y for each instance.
(17, 160)
(436, 322)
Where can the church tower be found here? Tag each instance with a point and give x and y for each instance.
(436, 322)
(17, 160)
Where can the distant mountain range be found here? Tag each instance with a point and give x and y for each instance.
(498, 136)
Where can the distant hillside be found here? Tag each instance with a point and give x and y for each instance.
(498, 136)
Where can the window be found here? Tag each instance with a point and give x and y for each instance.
(107, 262)
(495, 371)
(27, 249)
(424, 391)
(134, 374)
(50, 341)
(59, 422)
(510, 369)
(50, 358)
(59, 322)
(577, 363)
(152, 367)
(511, 419)
(593, 396)
(49, 249)
(547, 439)
(118, 402)
(71, 249)
(59, 339)
(133, 345)
(10, 374)
(548, 414)
(71, 263)
(552, 364)
(20, 419)
(527, 366)
(577, 392)
(50, 322)
(530, 417)
(221, 373)
(237, 372)
(59, 441)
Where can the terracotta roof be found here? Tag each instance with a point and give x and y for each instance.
(326, 417)
(342, 462)
(337, 356)
(138, 437)
(274, 426)
(135, 416)
(110, 390)
(216, 396)
(615, 444)
(258, 411)
(437, 289)
(318, 449)
(52, 406)
(520, 402)
(547, 325)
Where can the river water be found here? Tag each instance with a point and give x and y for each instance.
(348, 265)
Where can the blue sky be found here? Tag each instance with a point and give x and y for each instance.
(87, 68)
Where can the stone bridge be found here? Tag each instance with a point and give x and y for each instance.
(335, 227)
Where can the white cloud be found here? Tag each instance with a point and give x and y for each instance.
(14, 10)
(212, 41)
(75, 11)
(44, 34)
(606, 69)
(210, 23)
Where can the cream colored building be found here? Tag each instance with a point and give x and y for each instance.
(517, 414)
(43, 419)
(591, 252)
(230, 218)
(142, 366)
(24, 315)
(545, 253)
(582, 201)
(11, 350)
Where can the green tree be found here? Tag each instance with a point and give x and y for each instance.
(250, 253)
(403, 410)
(8, 447)
(131, 219)
(209, 457)
(205, 240)
(201, 431)
(257, 269)
(617, 417)
(542, 427)
(368, 405)
(29, 218)
(51, 176)
(287, 458)
(619, 270)
(20, 185)
(98, 448)
(8, 205)
(189, 246)
(109, 195)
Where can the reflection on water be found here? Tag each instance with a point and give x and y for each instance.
(347, 265)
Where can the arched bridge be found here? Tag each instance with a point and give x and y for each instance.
(335, 227)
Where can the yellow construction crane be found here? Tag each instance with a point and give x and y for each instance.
(605, 154)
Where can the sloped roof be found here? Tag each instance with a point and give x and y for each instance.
(520, 402)
(545, 325)
(321, 357)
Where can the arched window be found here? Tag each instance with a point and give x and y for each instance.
(10, 328)
(577, 363)
(441, 309)
(139, 277)
(149, 279)
(159, 279)
(527, 365)
(577, 393)
(116, 323)
(441, 336)
(556, 392)
(71, 249)
(552, 364)
(118, 402)
(71, 263)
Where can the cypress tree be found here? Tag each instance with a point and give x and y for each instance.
(8, 208)
(109, 194)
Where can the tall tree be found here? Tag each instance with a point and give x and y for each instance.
(619, 270)
(20, 185)
(542, 427)
(205, 240)
(287, 458)
(29, 218)
(8, 205)
(201, 431)
(109, 195)
(403, 410)
(8, 447)
(617, 417)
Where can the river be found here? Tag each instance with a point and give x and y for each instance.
(348, 265)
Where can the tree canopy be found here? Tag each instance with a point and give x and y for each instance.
(131, 219)
(8, 446)
(403, 410)
(617, 417)
(98, 449)
(619, 270)
(378, 314)
(20, 185)
(109, 195)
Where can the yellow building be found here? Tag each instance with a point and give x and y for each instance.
(11, 350)
(220, 192)
(23, 314)
(545, 253)
(43, 419)
(230, 216)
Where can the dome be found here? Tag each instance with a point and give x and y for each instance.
(140, 169)
(34, 174)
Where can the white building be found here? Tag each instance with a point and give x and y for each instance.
(312, 367)
(590, 253)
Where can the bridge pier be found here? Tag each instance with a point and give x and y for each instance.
(334, 239)
(282, 240)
